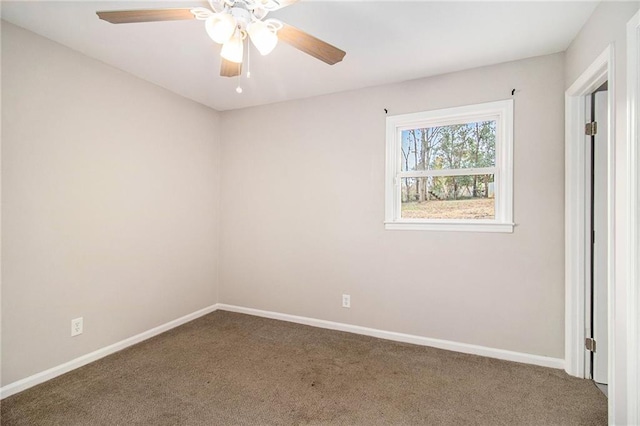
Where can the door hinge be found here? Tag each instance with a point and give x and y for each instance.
(590, 344)
(591, 129)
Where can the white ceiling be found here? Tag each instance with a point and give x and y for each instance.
(385, 42)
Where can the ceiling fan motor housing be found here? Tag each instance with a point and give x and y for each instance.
(242, 15)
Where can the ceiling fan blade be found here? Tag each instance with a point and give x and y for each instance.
(144, 15)
(310, 45)
(230, 69)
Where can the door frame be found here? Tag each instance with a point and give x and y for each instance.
(576, 238)
(633, 182)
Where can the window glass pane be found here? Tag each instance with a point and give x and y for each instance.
(459, 146)
(448, 197)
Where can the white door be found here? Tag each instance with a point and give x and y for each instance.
(600, 272)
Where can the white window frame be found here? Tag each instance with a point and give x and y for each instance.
(502, 113)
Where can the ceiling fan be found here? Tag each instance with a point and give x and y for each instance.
(231, 22)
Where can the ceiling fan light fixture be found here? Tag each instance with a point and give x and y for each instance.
(263, 37)
(233, 50)
(228, 22)
(220, 27)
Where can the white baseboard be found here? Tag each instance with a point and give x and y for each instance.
(36, 379)
(406, 338)
(49, 374)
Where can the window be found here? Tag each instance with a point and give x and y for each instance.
(451, 169)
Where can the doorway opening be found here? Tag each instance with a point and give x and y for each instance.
(597, 276)
(578, 327)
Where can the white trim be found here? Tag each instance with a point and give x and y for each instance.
(402, 337)
(502, 113)
(43, 376)
(448, 172)
(633, 182)
(36, 379)
(443, 225)
(601, 70)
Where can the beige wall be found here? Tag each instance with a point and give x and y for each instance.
(303, 208)
(109, 204)
(608, 25)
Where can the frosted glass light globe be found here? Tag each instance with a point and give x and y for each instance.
(262, 36)
(220, 27)
(233, 50)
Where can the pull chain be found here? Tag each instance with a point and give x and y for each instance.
(248, 59)
(239, 88)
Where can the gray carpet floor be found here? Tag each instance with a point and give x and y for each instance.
(233, 369)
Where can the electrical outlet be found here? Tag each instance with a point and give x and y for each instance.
(346, 301)
(76, 326)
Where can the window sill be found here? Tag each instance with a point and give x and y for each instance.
(451, 226)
